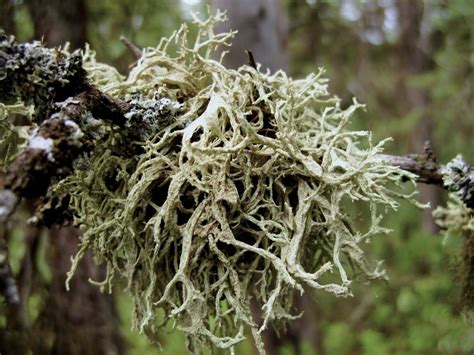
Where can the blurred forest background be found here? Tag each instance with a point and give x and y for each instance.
(410, 62)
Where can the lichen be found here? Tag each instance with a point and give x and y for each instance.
(12, 136)
(457, 222)
(241, 197)
(458, 176)
(147, 116)
(38, 76)
(41, 143)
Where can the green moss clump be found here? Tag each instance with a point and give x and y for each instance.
(236, 200)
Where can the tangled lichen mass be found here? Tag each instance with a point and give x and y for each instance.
(230, 194)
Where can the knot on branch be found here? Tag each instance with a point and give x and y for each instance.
(51, 150)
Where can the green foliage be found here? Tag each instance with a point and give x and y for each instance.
(338, 338)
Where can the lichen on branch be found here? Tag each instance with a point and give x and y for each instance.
(457, 222)
(242, 195)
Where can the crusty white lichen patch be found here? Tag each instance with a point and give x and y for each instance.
(76, 134)
(41, 143)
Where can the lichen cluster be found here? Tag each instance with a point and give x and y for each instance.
(242, 198)
(457, 221)
(458, 177)
(238, 190)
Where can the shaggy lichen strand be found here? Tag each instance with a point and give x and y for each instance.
(455, 217)
(239, 201)
(102, 75)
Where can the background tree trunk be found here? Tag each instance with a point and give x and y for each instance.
(59, 21)
(414, 54)
(262, 29)
(7, 16)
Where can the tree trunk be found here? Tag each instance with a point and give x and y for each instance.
(59, 21)
(7, 18)
(262, 29)
(83, 320)
(414, 49)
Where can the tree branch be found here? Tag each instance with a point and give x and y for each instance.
(43, 77)
(457, 176)
(428, 173)
(137, 53)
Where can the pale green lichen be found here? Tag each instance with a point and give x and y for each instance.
(456, 217)
(242, 198)
(12, 136)
(457, 222)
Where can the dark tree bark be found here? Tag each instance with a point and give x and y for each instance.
(83, 320)
(7, 16)
(59, 21)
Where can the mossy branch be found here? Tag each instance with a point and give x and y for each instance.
(42, 77)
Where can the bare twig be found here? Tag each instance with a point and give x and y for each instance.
(427, 173)
(457, 176)
(137, 53)
(251, 59)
